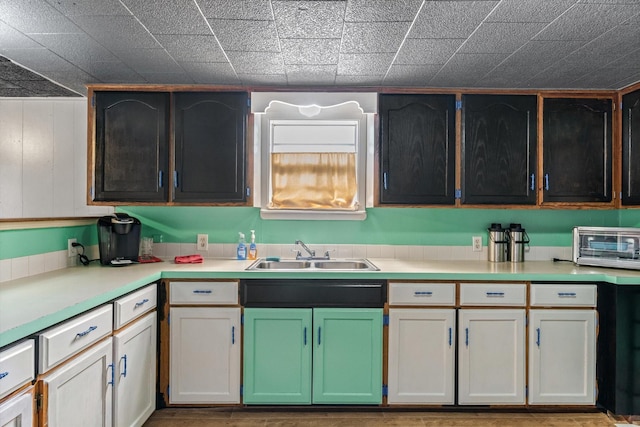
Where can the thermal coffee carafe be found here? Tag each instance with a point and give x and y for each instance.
(118, 239)
(498, 244)
(517, 237)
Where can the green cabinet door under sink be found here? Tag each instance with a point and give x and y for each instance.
(345, 346)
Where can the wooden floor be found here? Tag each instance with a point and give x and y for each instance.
(215, 417)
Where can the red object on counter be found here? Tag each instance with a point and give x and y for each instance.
(148, 258)
(189, 259)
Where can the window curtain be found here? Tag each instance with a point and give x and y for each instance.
(313, 181)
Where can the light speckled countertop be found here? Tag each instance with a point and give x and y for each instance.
(34, 303)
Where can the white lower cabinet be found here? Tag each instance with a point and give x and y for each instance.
(134, 350)
(79, 392)
(18, 411)
(421, 359)
(491, 356)
(204, 355)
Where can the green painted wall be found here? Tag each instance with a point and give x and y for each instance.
(389, 226)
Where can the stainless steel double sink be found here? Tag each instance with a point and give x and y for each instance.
(360, 264)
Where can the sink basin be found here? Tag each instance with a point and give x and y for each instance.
(325, 265)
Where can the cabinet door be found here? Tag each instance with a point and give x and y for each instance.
(18, 410)
(79, 393)
(210, 130)
(499, 148)
(631, 148)
(562, 357)
(347, 356)
(491, 369)
(131, 146)
(135, 372)
(205, 355)
(421, 356)
(277, 356)
(577, 150)
(417, 149)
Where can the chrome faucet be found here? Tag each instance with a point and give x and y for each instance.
(311, 252)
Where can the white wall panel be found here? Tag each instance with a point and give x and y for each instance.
(10, 158)
(63, 158)
(37, 159)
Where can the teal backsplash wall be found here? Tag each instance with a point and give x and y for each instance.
(388, 226)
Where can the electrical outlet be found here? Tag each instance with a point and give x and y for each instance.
(203, 242)
(477, 243)
(71, 251)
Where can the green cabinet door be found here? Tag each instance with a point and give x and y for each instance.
(347, 356)
(277, 356)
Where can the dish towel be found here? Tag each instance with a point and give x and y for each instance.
(189, 259)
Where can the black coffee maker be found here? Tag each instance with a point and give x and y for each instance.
(118, 239)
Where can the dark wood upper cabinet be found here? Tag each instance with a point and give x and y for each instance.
(577, 158)
(631, 148)
(210, 133)
(131, 146)
(417, 149)
(499, 149)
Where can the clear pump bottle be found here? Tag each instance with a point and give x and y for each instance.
(253, 250)
(242, 247)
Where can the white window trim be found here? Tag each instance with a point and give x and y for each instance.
(308, 105)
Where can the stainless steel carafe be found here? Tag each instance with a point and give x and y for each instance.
(497, 243)
(518, 238)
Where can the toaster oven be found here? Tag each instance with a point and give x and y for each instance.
(617, 247)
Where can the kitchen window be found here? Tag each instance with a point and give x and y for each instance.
(314, 157)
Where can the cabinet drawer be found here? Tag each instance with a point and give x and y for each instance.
(561, 295)
(203, 293)
(17, 365)
(63, 341)
(422, 293)
(493, 294)
(133, 305)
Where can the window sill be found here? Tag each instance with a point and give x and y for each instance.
(313, 215)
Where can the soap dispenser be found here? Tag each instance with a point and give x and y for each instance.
(253, 250)
(242, 247)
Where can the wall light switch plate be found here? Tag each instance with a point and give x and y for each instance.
(477, 243)
(203, 242)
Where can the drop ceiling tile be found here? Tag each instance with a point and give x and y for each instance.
(42, 60)
(501, 37)
(450, 20)
(359, 81)
(256, 62)
(12, 72)
(560, 70)
(369, 64)
(310, 51)
(309, 19)
(113, 72)
(11, 38)
(587, 21)
(373, 37)
(148, 60)
(455, 72)
(236, 9)
(249, 36)
(381, 10)
(89, 7)
(169, 16)
(529, 10)
(75, 48)
(167, 78)
(263, 79)
(410, 75)
(311, 74)
(203, 48)
(116, 32)
(427, 51)
(35, 16)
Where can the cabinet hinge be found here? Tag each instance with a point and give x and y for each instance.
(248, 191)
(242, 319)
(38, 402)
(168, 319)
(241, 390)
(248, 101)
(93, 101)
(385, 390)
(458, 105)
(91, 192)
(168, 391)
(526, 391)
(526, 320)
(458, 193)
(385, 320)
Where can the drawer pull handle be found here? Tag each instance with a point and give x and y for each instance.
(202, 291)
(319, 335)
(82, 334)
(143, 302)
(423, 293)
(233, 335)
(113, 380)
(450, 336)
(538, 337)
(124, 371)
(305, 336)
(495, 294)
(466, 339)
(566, 294)
(3, 374)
